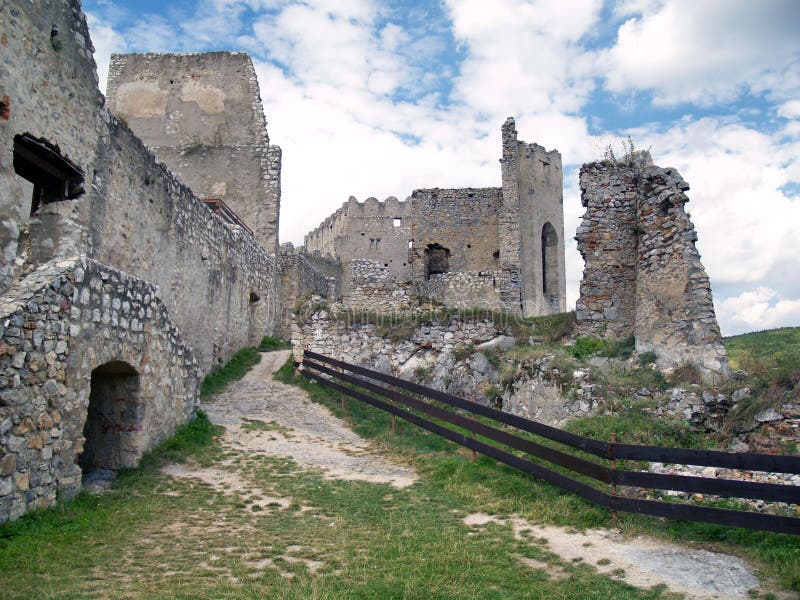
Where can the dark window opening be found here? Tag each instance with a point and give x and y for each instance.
(54, 177)
(254, 297)
(496, 255)
(437, 260)
(550, 285)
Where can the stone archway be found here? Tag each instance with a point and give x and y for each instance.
(114, 419)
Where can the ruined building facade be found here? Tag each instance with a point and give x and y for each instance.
(119, 288)
(643, 277)
(201, 115)
(500, 248)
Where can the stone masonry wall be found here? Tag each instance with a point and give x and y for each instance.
(220, 285)
(48, 88)
(371, 229)
(608, 241)
(57, 325)
(643, 275)
(370, 286)
(533, 199)
(302, 276)
(201, 114)
(462, 220)
(361, 344)
(465, 290)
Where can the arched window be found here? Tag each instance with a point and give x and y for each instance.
(550, 282)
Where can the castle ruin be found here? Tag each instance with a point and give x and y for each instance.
(498, 248)
(120, 288)
(139, 239)
(643, 277)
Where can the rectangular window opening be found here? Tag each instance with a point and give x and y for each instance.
(54, 177)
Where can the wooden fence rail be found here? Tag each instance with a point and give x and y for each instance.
(364, 385)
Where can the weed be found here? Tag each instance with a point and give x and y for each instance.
(239, 364)
(268, 344)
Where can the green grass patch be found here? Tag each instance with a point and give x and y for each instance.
(236, 368)
(270, 344)
(492, 487)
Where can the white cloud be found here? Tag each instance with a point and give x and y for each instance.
(703, 51)
(790, 110)
(757, 309)
(106, 41)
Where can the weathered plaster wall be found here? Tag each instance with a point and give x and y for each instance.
(56, 326)
(371, 229)
(643, 274)
(201, 114)
(220, 285)
(532, 199)
(464, 221)
(48, 88)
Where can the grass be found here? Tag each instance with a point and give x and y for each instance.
(499, 489)
(239, 364)
(268, 344)
(152, 536)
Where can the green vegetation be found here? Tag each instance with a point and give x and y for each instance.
(763, 345)
(154, 536)
(239, 364)
(586, 347)
(268, 344)
(503, 491)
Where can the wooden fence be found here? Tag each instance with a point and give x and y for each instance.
(410, 401)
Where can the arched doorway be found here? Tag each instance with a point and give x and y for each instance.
(550, 283)
(114, 419)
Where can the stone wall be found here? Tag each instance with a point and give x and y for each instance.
(301, 276)
(479, 289)
(370, 286)
(531, 234)
(463, 221)
(48, 89)
(92, 373)
(643, 274)
(201, 114)
(361, 344)
(371, 229)
(220, 285)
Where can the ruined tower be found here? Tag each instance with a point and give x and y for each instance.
(532, 225)
(201, 115)
(643, 277)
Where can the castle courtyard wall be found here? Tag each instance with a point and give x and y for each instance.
(58, 325)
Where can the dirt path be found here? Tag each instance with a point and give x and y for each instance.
(264, 416)
(642, 562)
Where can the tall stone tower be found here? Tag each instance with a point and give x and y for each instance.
(531, 226)
(201, 115)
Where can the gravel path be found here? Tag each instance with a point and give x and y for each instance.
(299, 429)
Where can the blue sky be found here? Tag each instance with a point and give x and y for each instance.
(377, 98)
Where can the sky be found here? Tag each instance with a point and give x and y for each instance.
(376, 98)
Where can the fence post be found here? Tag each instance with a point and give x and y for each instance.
(474, 454)
(614, 517)
(394, 416)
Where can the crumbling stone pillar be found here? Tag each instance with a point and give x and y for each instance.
(643, 276)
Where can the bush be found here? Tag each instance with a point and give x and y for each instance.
(647, 358)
